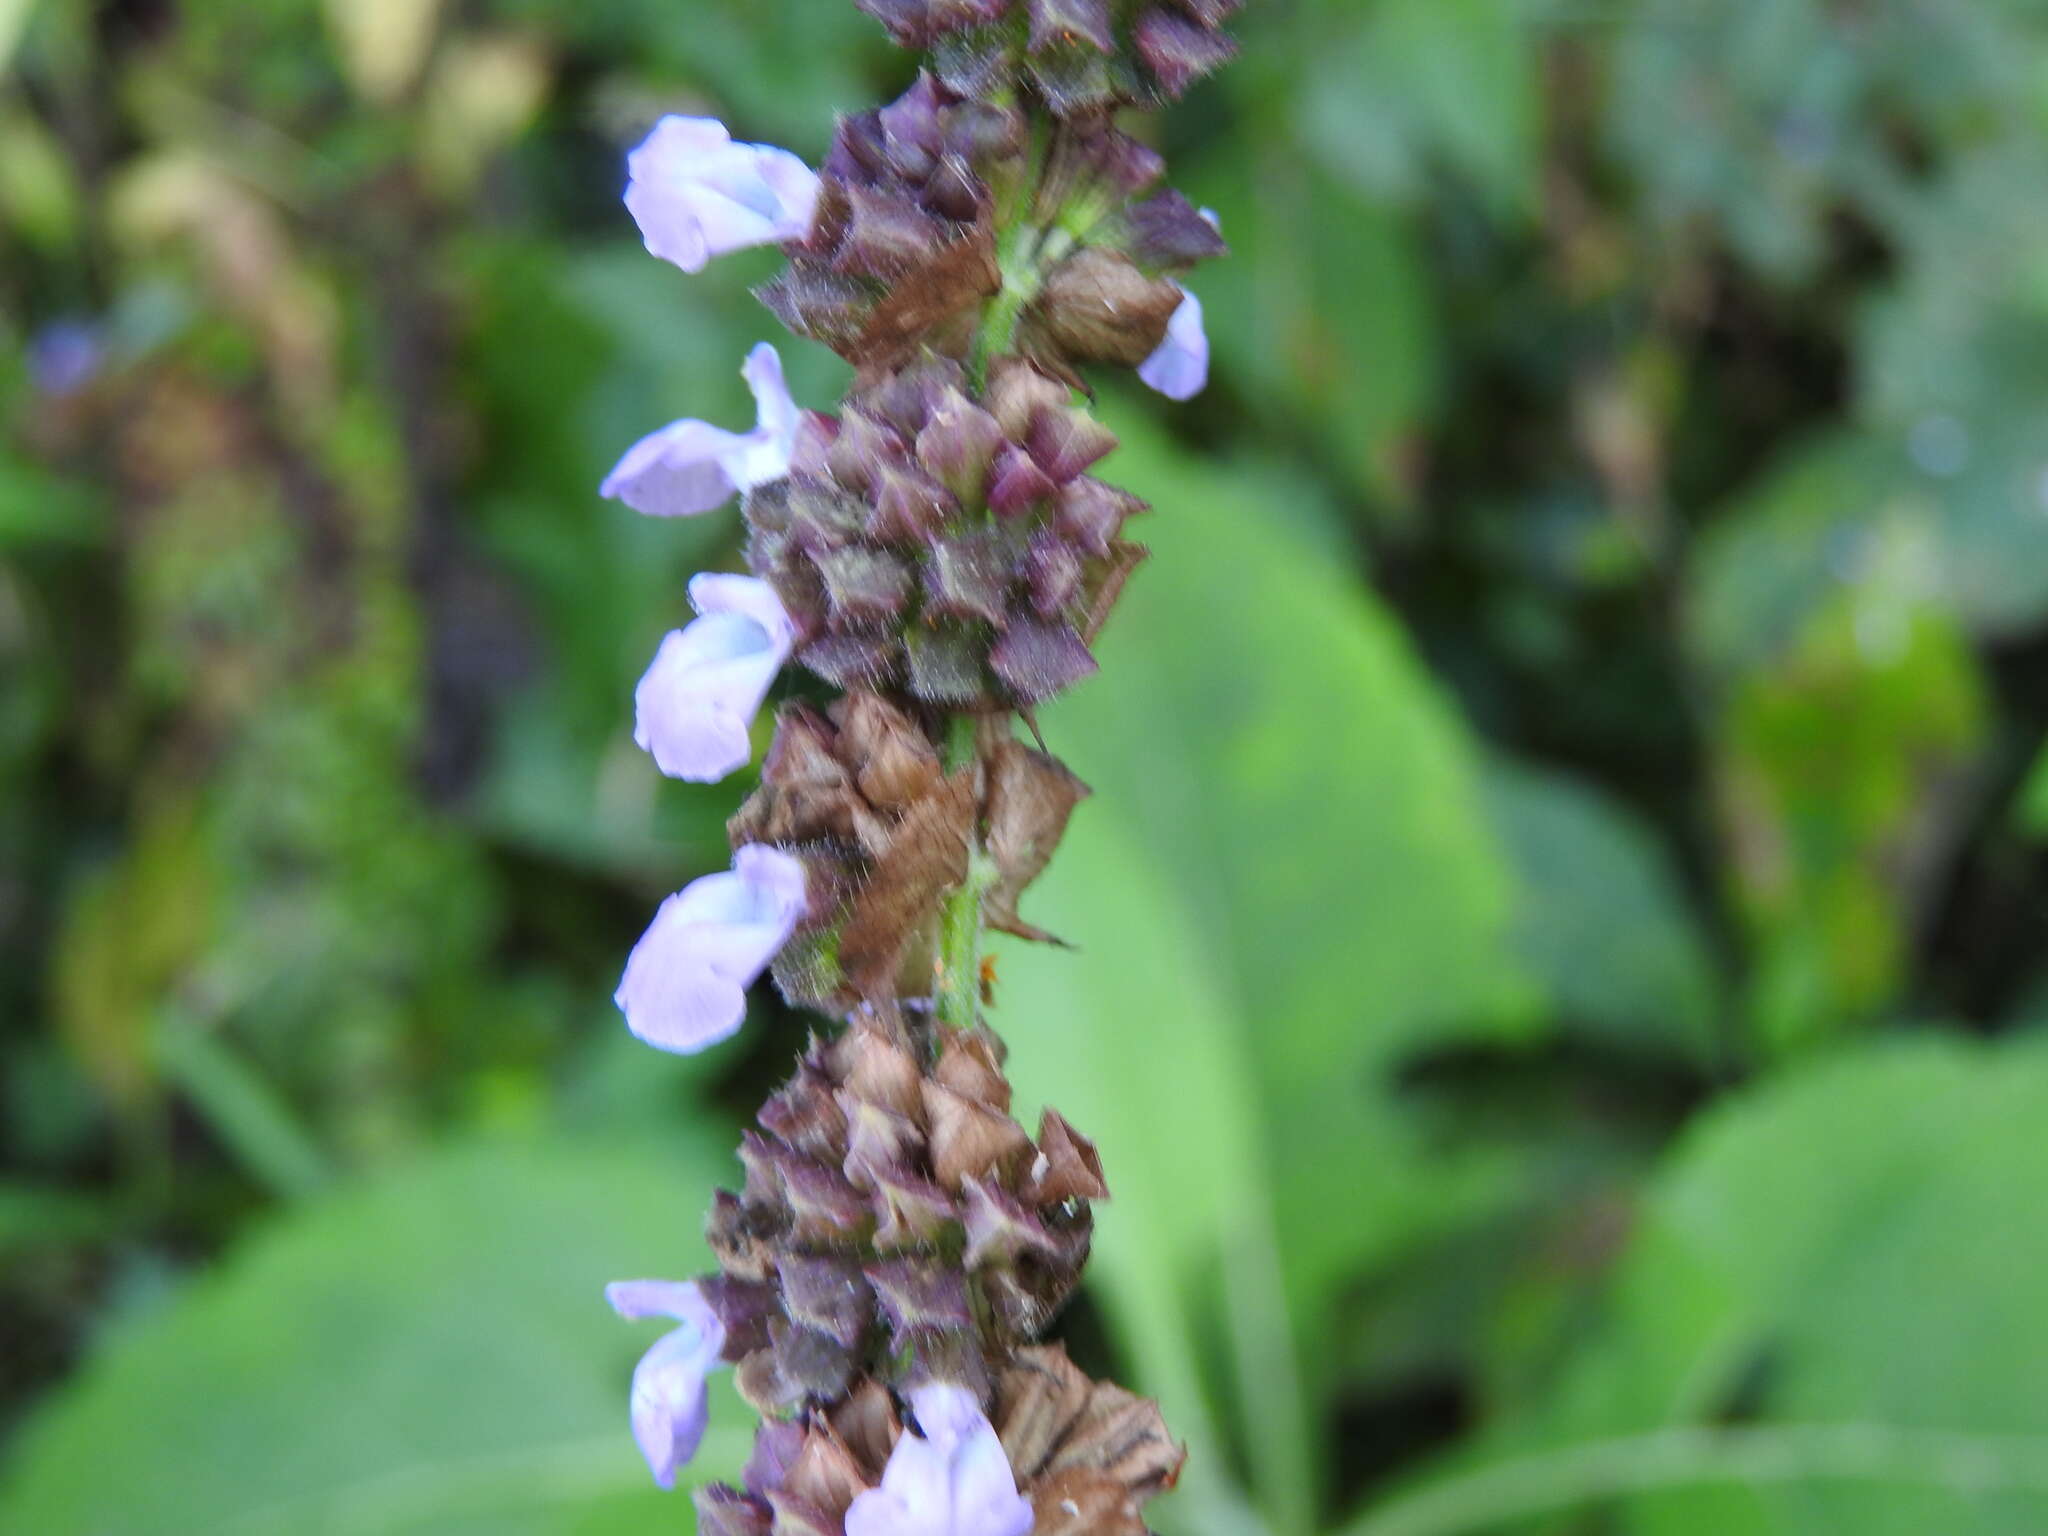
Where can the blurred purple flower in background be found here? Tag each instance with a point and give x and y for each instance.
(695, 193)
(953, 1480)
(686, 981)
(64, 357)
(697, 700)
(669, 1397)
(692, 466)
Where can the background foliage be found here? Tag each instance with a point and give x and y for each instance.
(1560, 997)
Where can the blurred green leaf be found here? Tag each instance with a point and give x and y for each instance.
(128, 932)
(1321, 318)
(33, 1216)
(1423, 84)
(37, 506)
(1847, 1263)
(1237, 1011)
(1600, 919)
(1132, 1038)
(1843, 779)
(430, 1353)
(1805, 528)
(1770, 118)
(1950, 364)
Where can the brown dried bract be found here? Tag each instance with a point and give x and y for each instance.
(1031, 795)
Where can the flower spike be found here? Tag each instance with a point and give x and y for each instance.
(939, 555)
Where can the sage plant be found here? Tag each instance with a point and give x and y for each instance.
(937, 556)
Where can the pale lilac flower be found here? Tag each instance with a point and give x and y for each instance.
(65, 357)
(669, 1397)
(686, 981)
(697, 699)
(691, 466)
(696, 194)
(953, 1480)
(1180, 366)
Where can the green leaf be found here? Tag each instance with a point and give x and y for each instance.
(1949, 364)
(1284, 889)
(431, 1353)
(1839, 769)
(1599, 914)
(1302, 785)
(40, 507)
(1847, 1262)
(1424, 83)
(1130, 1037)
(1322, 316)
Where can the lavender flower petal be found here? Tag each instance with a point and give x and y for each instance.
(953, 1480)
(669, 1402)
(1180, 367)
(697, 700)
(692, 466)
(678, 471)
(695, 193)
(679, 1299)
(685, 986)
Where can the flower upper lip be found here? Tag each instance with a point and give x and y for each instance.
(696, 192)
(692, 466)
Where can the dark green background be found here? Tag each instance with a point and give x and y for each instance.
(1560, 979)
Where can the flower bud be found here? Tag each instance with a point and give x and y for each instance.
(810, 453)
(1036, 660)
(1096, 306)
(946, 664)
(1017, 392)
(907, 21)
(864, 585)
(1058, 23)
(975, 61)
(1167, 232)
(830, 307)
(910, 507)
(1066, 441)
(855, 658)
(1075, 78)
(1052, 568)
(968, 577)
(1092, 513)
(983, 132)
(957, 445)
(1018, 484)
(911, 129)
(1179, 51)
(887, 234)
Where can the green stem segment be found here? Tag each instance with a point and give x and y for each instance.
(1018, 259)
(956, 994)
(1015, 258)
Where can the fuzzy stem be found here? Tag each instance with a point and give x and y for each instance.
(956, 993)
(999, 321)
(1017, 242)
